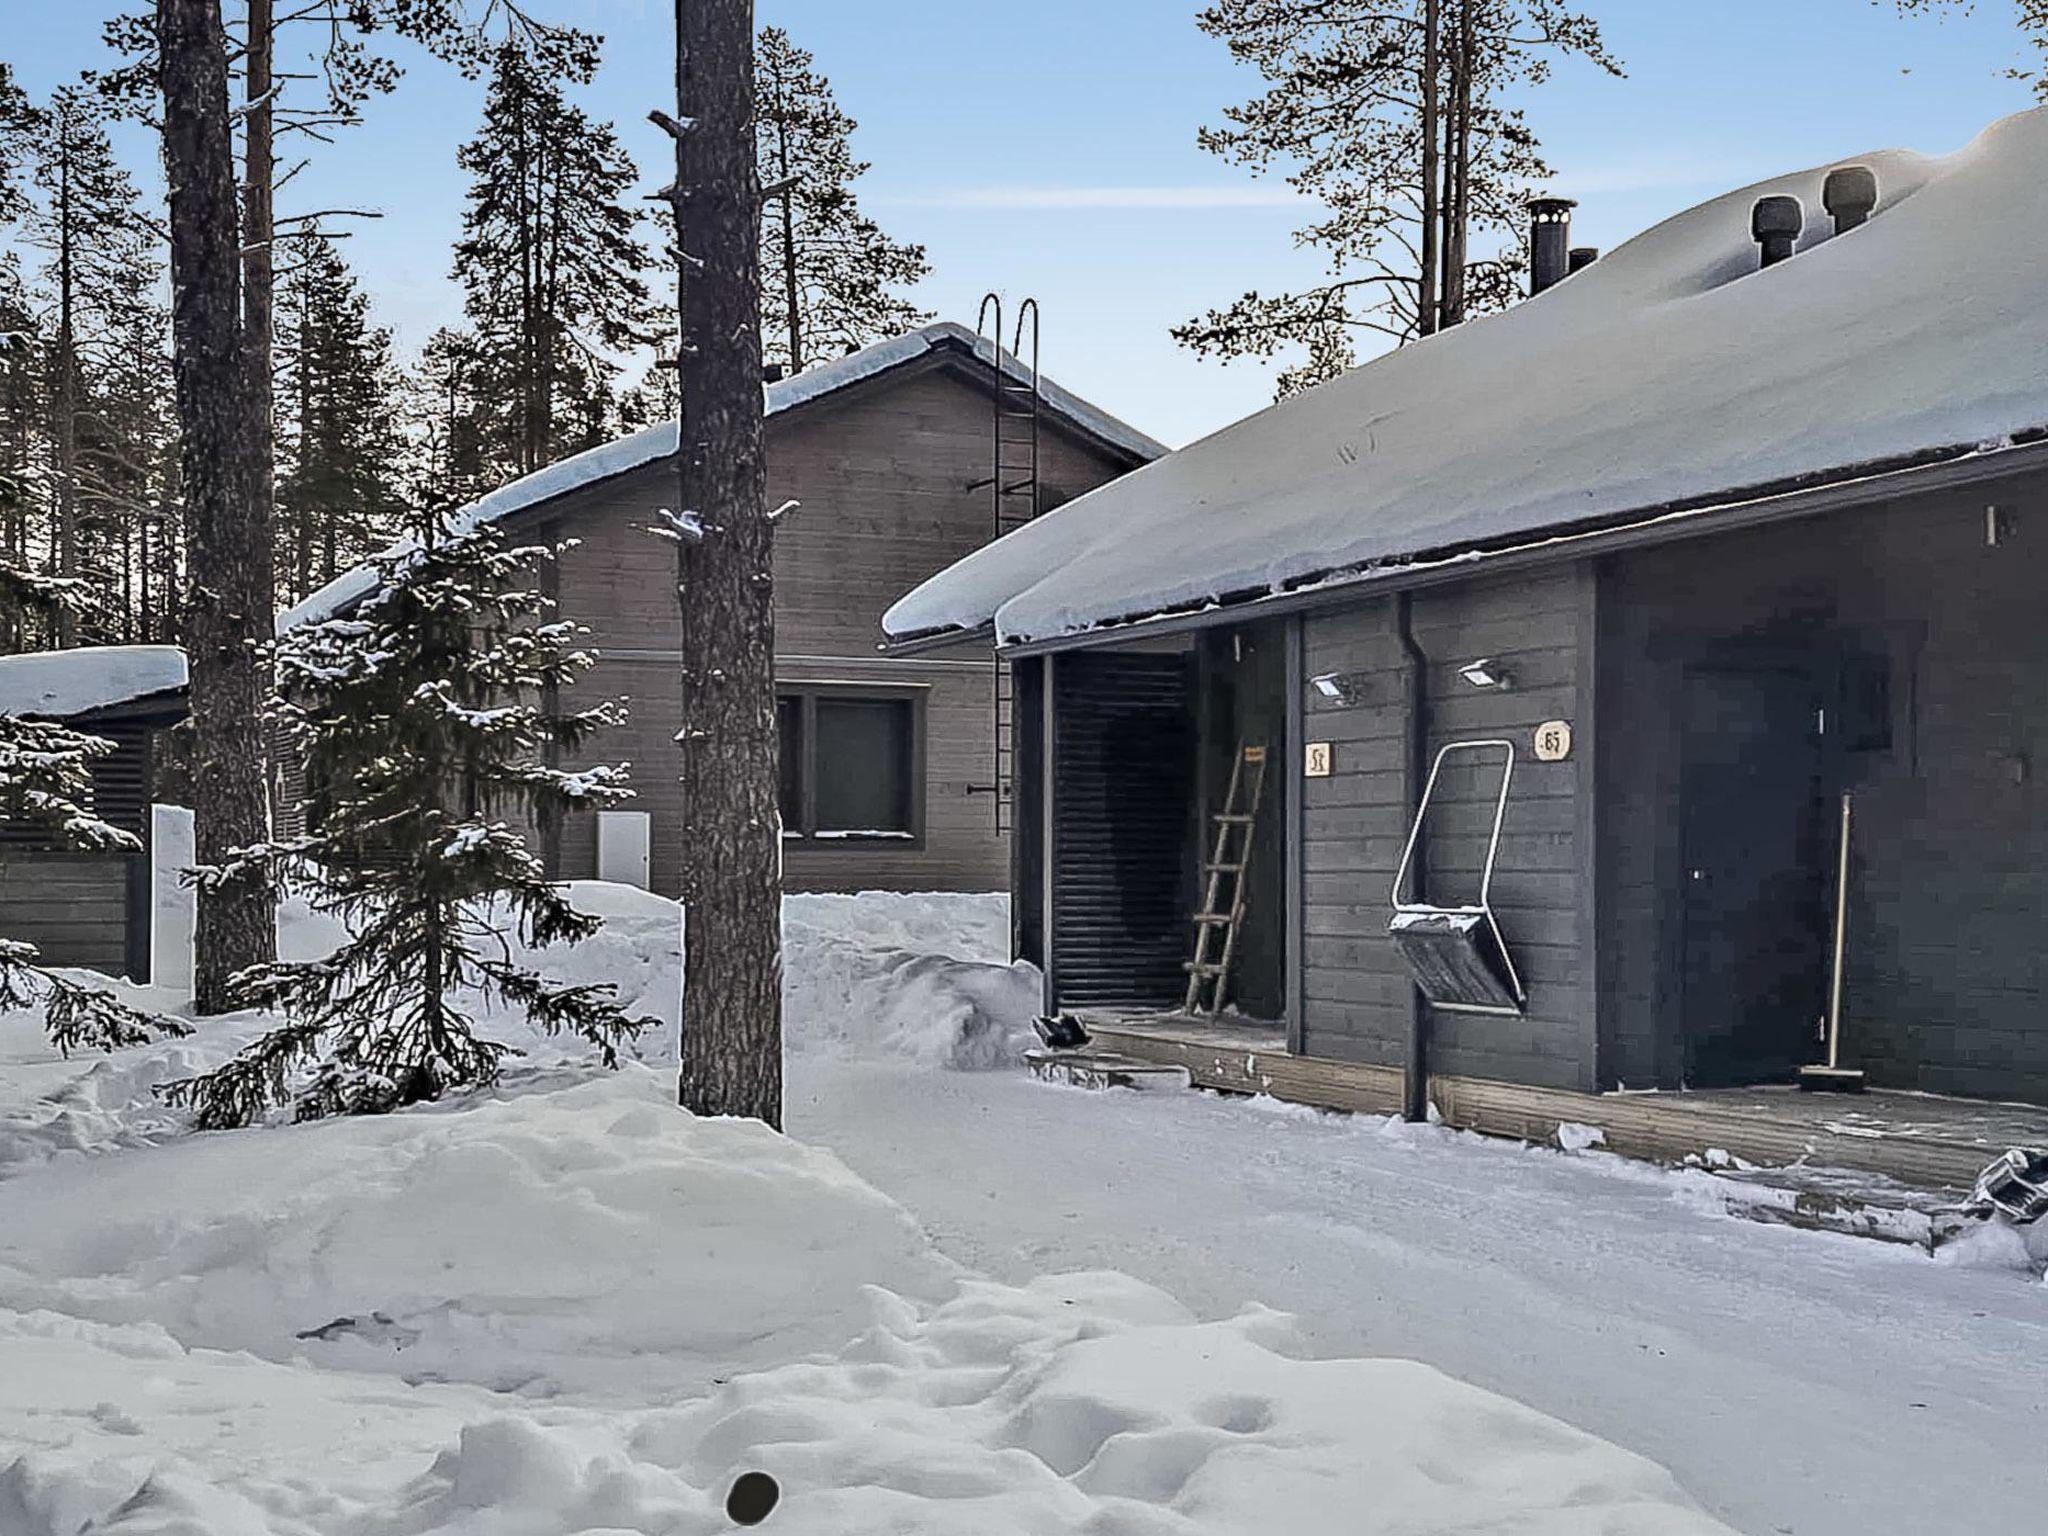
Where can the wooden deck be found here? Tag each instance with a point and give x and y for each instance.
(1930, 1144)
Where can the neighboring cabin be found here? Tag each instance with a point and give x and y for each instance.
(92, 909)
(889, 767)
(1761, 535)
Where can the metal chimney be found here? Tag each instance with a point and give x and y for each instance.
(1850, 196)
(771, 373)
(1582, 257)
(1550, 239)
(1775, 225)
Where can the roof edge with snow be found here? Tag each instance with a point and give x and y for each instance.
(623, 455)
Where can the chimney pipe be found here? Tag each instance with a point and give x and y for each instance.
(1582, 257)
(1775, 225)
(1850, 196)
(1550, 238)
(771, 373)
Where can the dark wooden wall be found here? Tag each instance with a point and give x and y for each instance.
(1355, 995)
(1947, 986)
(883, 476)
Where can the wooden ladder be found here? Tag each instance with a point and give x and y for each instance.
(1237, 818)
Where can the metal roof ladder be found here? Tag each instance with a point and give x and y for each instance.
(1456, 953)
(1013, 485)
(1223, 898)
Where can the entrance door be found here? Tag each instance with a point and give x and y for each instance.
(1755, 913)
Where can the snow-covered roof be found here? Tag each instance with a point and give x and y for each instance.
(1672, 371)
(659, 442)
(59, 684)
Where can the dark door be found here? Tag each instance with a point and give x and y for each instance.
(1123, 782)
(1755, 923)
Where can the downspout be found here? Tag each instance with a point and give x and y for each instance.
(1415, 1066)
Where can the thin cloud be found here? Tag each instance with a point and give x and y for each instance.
(1105, 197)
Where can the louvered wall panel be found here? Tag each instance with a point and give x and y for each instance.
(1123, 773)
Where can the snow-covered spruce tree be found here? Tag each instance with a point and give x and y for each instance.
(423, 721)
(829, 275)
(46, 787)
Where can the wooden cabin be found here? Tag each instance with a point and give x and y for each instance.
(1710, 545)
(92, 909)
(894, 770)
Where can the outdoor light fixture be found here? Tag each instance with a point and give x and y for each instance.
(1335, 685)
(1486, 673)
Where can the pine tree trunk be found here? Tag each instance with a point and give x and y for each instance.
(230, 556)
(731, 838)
(1426, 287)
(67, 390)
(259, 234)
(790, 292)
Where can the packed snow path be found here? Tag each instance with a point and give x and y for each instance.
(1792, 1381)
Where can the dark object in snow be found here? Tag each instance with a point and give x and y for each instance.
(2014, 1186)
(1061, 1032)
(377, 1328)
(1775, 224)
(752, 1498)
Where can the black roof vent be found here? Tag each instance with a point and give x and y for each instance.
(1850, 196)
(1582, 257)
(771, 373)
(1550, 238)
(1775, 225)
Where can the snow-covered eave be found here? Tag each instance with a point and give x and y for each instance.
(623, 456)
(85, 683)
(1825, 491)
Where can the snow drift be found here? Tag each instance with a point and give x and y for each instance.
(576, 1309)
(1671, 370)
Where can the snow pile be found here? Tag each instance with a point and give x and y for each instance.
(523, 1316)
(1671, 370)
(916, 977)
(57, 684)
(589, 1238)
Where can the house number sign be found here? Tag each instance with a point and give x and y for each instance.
(1553, 741)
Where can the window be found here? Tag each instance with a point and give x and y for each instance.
(852, 762)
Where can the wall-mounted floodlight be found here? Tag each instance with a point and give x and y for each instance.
(1336, 685)
(1487, 673)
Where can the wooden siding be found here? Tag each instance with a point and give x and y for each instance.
(1356, 996)
(72, 906)
(883, 476)
(1947, 986)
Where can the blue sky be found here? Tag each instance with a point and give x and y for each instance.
(1049, 148)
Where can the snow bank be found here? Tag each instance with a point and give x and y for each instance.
(534, 1243)
(1671, 370)
(580, 1310)
(57, 684)
(918, 977)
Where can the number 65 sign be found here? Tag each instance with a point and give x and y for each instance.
(1553, 741)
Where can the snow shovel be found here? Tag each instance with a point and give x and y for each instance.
(1456, 953)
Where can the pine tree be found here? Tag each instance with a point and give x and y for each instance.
(340, 459)
(731, 836)
(829, 275)
(105, 368)
(550, 262)
(1394, 118)
(415, 719)
(444, 416)
(229, 615)
(46, 788)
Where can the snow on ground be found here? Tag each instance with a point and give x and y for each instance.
(563, 1306)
